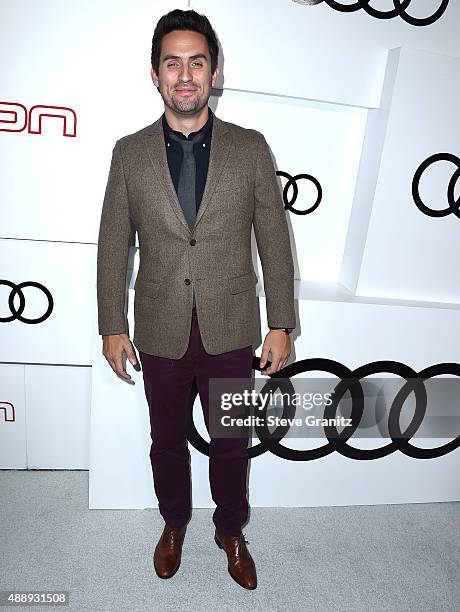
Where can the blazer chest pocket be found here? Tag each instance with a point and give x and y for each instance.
(233, 182)
(232, 187)
(238, 284)
(146, 288)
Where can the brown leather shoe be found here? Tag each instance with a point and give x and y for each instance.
(168, 551)
(241, 565)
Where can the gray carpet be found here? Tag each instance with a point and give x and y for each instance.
(361, 558)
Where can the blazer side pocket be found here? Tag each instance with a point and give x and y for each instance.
(238, 284)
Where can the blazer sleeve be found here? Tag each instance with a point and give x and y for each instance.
(116, 236)
(273, 242)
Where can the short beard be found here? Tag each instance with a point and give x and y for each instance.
(173, 105)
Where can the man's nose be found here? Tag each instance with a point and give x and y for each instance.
(185, 73)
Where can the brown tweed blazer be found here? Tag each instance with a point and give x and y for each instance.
(215, 258)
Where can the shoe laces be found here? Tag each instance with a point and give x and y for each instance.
(240, 538)
(172, 535)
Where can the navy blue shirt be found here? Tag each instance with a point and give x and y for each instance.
(201, 152)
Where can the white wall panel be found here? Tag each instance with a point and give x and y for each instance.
(44, 417)
(68, 272)
(408, 254)
(90, 57)
(351, 331)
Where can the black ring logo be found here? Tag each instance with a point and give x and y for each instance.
(399, 10)
(338, 441)
(17, 290)
(288, 204)
(453, 205)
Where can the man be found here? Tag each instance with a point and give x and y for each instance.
(193, 186)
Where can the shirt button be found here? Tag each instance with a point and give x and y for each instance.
(187, 281)
(193, 241)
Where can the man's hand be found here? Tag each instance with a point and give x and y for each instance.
(115, 348)
(279, 343)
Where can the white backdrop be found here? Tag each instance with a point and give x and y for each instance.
(357, 102)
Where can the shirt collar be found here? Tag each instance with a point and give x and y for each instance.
(206, 128)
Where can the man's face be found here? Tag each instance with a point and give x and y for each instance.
(184, 78)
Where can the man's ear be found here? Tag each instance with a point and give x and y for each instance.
(214, 76)
(154, 76)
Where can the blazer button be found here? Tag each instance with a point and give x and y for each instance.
(193, 241)
(187, 281)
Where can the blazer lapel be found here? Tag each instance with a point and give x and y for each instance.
(221, 145)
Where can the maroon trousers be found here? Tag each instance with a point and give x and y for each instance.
(168, 384)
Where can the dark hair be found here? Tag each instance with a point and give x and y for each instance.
(183, 20)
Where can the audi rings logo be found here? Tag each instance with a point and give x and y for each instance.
(16, 290)
(292, 180)
(453, 205)
(338, 441)
(399, 10)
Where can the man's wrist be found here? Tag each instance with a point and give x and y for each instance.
(287, 330)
